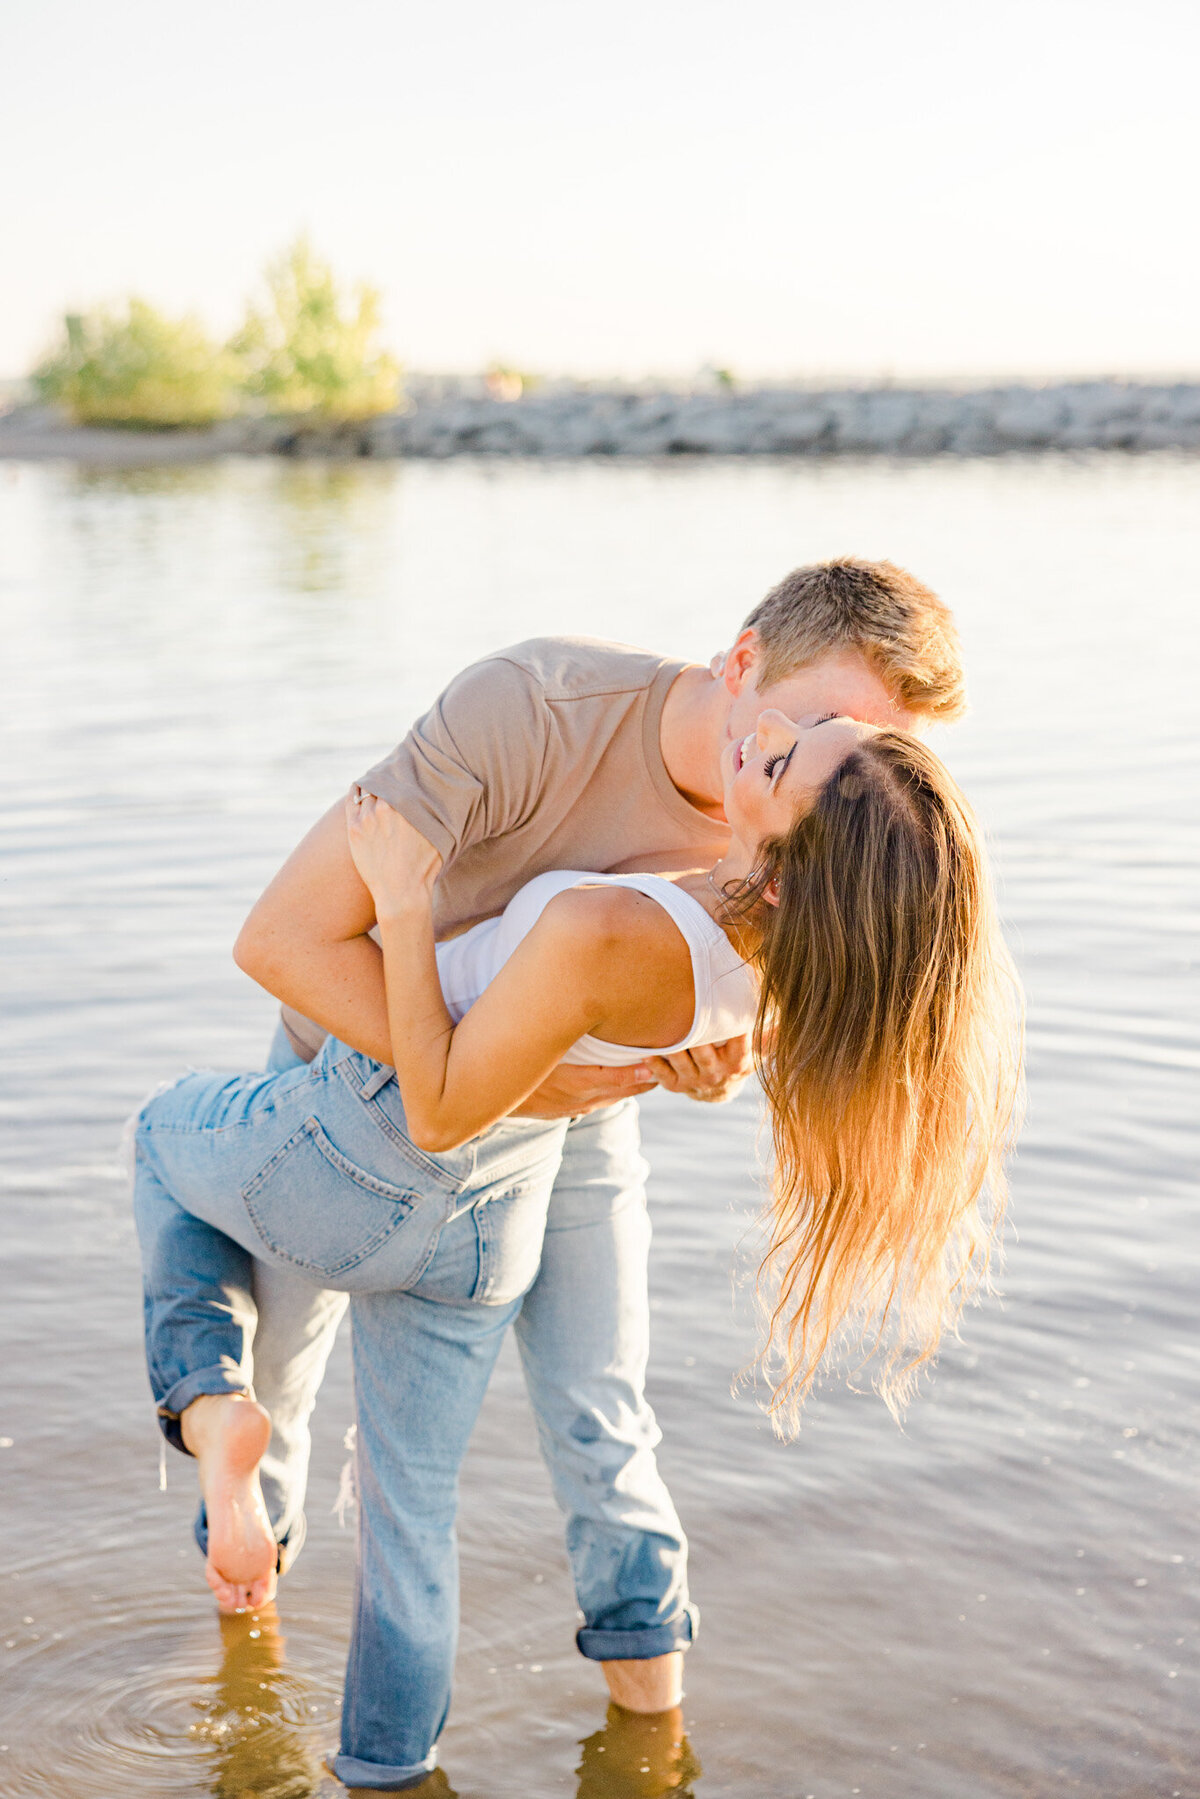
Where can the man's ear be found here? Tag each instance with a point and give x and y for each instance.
(737, 665)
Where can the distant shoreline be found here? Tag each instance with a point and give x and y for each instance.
(566, 422)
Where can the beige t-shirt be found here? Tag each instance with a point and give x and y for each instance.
(542, 756)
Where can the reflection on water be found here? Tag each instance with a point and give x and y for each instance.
(322, 528)
(636, 1757)
(1000, 1601)
(255, 1720)
(332, 524)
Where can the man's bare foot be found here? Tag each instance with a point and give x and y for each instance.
(228, 1434)
(654, 1685)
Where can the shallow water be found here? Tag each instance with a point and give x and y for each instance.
(999, 1601)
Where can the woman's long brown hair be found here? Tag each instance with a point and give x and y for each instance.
(888, 1042)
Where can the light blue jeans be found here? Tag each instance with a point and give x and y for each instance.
(310, 1173)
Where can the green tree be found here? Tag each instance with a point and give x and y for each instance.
(138, 367)
(310, 350)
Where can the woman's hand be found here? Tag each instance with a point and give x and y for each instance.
(396, 863)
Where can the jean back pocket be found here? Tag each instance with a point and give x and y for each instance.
(316, 1209)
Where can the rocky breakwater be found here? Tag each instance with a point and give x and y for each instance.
(801, 422)
(572, 421)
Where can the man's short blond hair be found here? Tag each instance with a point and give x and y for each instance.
(895, 622)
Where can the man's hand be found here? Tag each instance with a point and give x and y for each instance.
(712, 1072)
(575, 1088)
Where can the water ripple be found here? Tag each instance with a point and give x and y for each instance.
(125, 1704)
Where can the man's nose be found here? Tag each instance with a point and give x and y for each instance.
(771, 726)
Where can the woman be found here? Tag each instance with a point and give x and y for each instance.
(855, 890)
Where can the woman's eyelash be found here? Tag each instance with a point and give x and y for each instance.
(772, 763)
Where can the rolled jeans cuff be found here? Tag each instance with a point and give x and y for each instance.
(639, 1645)
(379, 1776)
(218, 1379)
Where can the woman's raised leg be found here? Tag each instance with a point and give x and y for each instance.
(228, 1168)
(225, 1321)
(197, 1319)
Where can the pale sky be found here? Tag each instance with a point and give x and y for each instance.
(858, 187)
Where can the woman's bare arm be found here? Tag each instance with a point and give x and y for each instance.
(306, 940)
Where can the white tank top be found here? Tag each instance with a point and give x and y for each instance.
(726, 989)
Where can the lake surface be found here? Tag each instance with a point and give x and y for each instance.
(1000, 1600)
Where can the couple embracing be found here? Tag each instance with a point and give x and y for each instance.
(586, 871)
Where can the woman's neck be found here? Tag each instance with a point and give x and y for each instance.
(711, 888)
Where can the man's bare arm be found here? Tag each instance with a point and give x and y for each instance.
(577, 1087)
(306, 941)
(712, 1072)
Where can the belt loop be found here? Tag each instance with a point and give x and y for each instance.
(378, 1081)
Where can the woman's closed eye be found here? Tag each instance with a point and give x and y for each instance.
(772, 762)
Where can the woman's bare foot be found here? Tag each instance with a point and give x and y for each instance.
(228, 1435)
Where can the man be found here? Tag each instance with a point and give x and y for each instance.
(568, 753)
